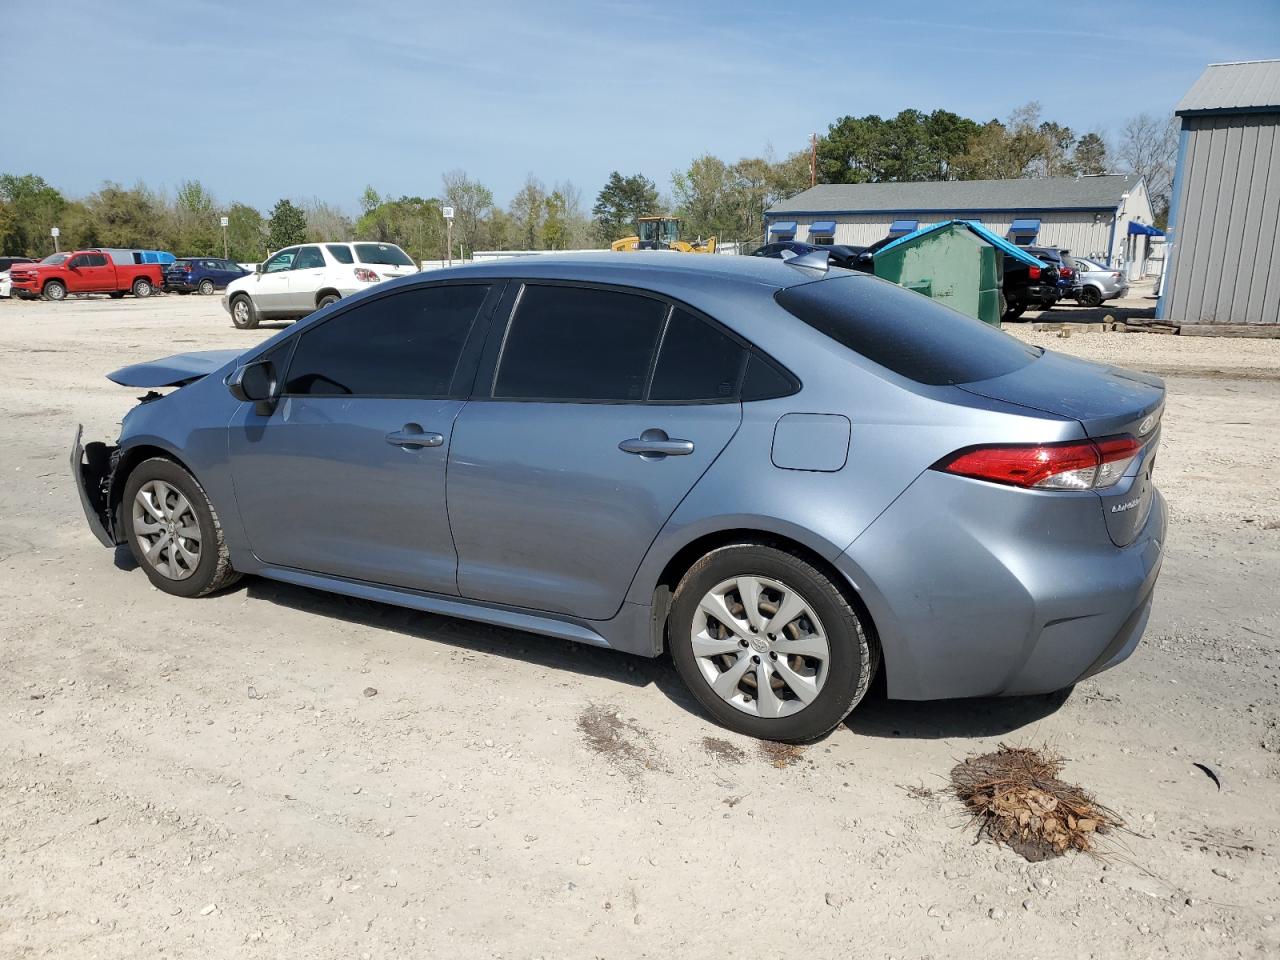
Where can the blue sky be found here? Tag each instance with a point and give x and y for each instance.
(275, 99)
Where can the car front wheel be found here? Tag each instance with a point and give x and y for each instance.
(768, 644)
(243, 316)
(174, 532)
(206, 288)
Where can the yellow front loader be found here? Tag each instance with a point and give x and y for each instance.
(662, 233)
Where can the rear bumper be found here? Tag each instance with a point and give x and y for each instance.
(180, 284)
(980, 590)
(91, 469)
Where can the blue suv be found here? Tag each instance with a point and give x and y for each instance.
(201, 274)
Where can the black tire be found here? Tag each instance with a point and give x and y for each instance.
(142, 288)
(213, 570)
(55, 290)
(854, 653)
(243, 314)
(206, 288)
(1013, 310)
(327, 299)
(1090, 297)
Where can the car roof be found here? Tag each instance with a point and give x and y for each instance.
(639, 268)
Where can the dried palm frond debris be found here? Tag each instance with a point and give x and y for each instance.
(1018, 801)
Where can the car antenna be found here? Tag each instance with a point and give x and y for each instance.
(816, 260)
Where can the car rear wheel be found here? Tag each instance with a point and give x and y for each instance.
(206, 288)
(243, 316)
(1013, 310)
(327, 299)
(55, 290)
(768, 644)
(1090, 297)
(142, 288)
(174, 531)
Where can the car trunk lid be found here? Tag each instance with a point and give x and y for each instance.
(1106, 401)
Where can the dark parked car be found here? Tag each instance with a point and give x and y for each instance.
(1068, 279)
(203, 274)
(784, 475)
(838, 254)
(1026, 286)
(7, 262)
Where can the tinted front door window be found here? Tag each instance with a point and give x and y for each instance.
(404, 345)
(570, 343)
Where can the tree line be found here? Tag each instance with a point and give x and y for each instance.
(713, 196)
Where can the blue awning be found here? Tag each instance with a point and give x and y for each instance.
(1028, 225)
(903, 226)
(1137, 229)
(822, 228)
(783, 226)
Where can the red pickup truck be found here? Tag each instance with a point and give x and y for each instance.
(84, 271)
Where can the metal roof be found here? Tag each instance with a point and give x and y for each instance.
(960, 196)
(1251, 86)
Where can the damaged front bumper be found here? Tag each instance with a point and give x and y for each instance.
(92, 467)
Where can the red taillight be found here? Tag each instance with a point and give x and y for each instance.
(1034, 272)
(1075, 465)
(366, 276)
(187, 268)
(1067, 273)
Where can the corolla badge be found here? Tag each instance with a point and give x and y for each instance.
(1145, 426)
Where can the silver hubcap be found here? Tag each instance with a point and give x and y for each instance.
(242, 311)
(167, 530)
(56, 292)
(760, 646)
(206, 288)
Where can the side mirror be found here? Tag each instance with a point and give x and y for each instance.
(255, 383)
(257, 268)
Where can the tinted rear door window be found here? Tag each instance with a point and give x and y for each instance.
(573, 343)
(696, 362)
(906, 332)
(340, 252)
(404, 345)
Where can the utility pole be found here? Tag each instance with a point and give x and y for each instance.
(225, 223)
(813, 160)
(448, 229)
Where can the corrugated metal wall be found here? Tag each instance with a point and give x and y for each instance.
(1076, 232)
(1226, 256)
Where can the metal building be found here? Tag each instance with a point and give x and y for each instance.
(1107, 218)
(1224, 257)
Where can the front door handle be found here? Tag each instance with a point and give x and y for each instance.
(412, 435)
(654, 444)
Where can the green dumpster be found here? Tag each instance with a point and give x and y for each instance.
(951, 263)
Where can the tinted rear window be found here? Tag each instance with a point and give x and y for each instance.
(341, 252)
(387, 253)
(573, 343)
(906, 332)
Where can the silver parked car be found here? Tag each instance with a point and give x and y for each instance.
(1096, 284)
(789, 477)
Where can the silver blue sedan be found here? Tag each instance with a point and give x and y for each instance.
(790, 477)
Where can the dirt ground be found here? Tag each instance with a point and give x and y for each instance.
(218, 778)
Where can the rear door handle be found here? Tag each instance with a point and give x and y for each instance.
(654, 444)
(412, 435)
